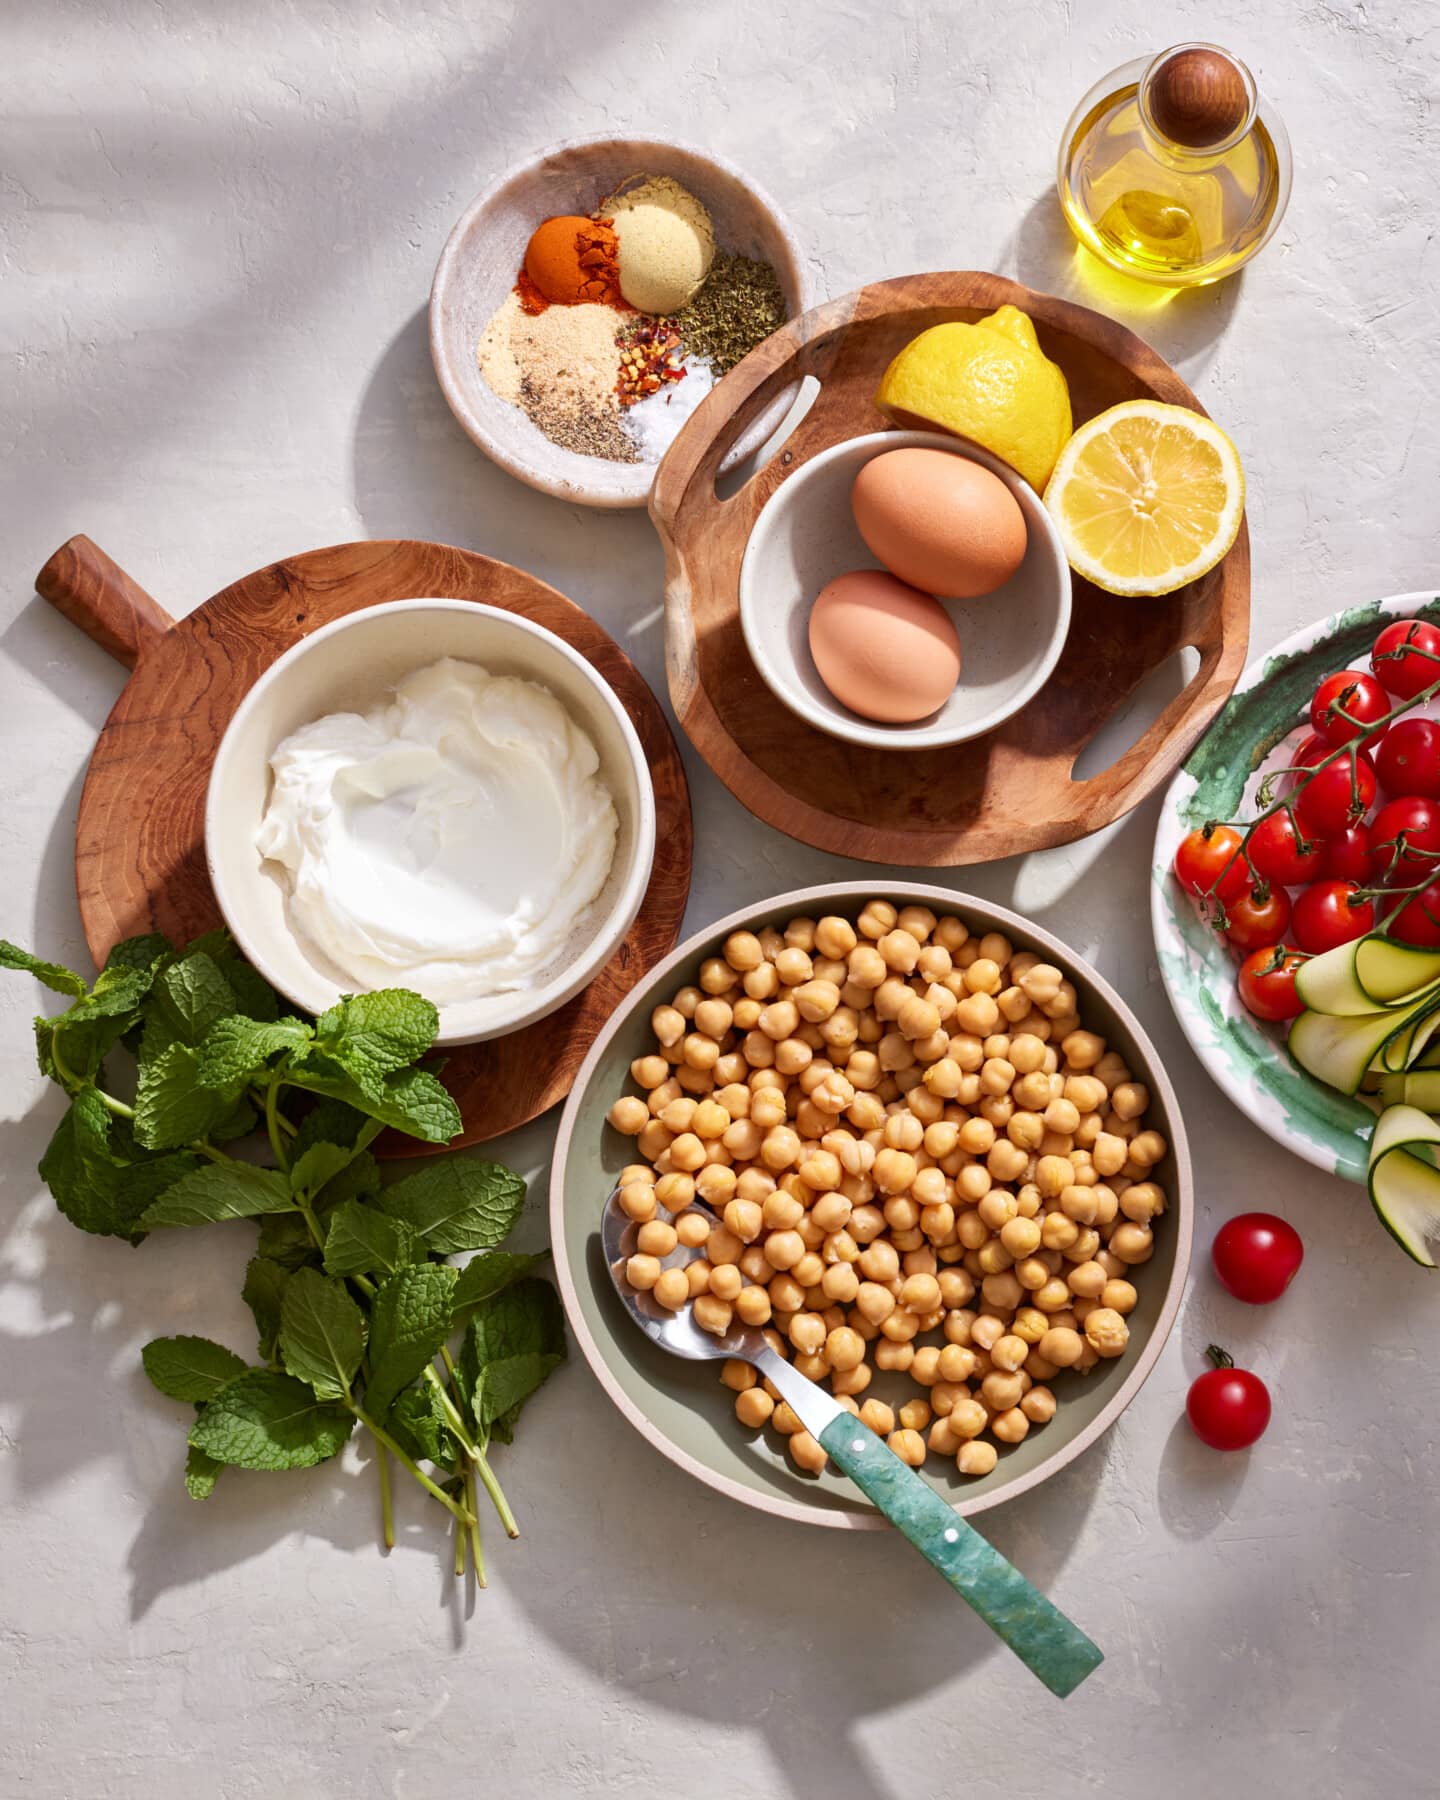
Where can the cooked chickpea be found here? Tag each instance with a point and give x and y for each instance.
(672, 1289)
(1106, 1331)
(1061, 1346)
(1132, 1243)
(753, 1407)
(629, 1115)
(1011, 1425)
(920, 1294)
(1009, 1352)
(642, 1272)
(1119, 1296)
(656, 1238)
(974, 1457)
(908, 1445)
(1038, 1405)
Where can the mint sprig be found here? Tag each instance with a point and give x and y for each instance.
(356, 1308)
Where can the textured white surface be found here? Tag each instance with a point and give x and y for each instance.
(218, 229)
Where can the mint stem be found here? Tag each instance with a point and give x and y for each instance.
(479, 1554)
(384, 1438)
(472, 1450)
(272, 1124)
(387, 1514)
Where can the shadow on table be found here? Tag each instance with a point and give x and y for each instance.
(719, 1613)
(1183, 324)
(416, 474)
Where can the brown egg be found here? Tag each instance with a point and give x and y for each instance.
(939, 521)
(883, 649)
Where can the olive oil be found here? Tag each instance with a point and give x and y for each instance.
(1172, 169)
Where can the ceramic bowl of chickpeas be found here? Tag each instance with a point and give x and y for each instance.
(917, 1142)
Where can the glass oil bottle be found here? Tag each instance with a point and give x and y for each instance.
(1173, 169)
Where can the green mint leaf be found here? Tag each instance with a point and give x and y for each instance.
(373, 1035)
(201, 1473)
(504, 1388)
(219, 1191)
(235, 1049)
(237, 1122)
(143, 954)
(285, 1238)
(117, 993)
(523, 1319)
(263, 1293)
(457, 1204)
(409, 1321)
(314, 1167)
(361, 1241)
(264, 1420)
(190, 1368)
(172, 1107)
(192, 995)
(54, 976)
(359, 1179)
(81, 1048)
(417, 1422)
(411, 1101)
(142, 1183)
(253, 993)
(485, 1276)
(328, 1122)
(322, 1333)
(83, 1172)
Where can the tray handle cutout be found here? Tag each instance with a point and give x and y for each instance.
(82, 583)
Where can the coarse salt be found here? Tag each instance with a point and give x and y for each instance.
(654, 422)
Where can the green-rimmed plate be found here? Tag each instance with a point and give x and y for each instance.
(1260, 724)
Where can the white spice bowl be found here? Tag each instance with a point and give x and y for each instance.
(350, 666)
(1010, 640)
(483, 256)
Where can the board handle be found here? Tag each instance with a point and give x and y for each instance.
(86, 587)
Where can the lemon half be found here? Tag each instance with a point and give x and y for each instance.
(1147, 497)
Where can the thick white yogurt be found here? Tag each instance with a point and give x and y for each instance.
(448, 840)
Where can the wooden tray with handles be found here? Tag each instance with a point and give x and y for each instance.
(139, 842)
(1014, 789)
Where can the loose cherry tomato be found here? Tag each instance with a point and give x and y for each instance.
(1253, 922)
(1406, 657)
(1228, 1408)
(1335, 798)
(1347, 856)
(1257, 1256)
(1267, 983)
(1344, 704)
(1408, 759)
(1202, 861)
(1323, 916)
(1405, 839)
(1418, 921)
(1281, 855)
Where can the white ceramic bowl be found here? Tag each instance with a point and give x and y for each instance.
(483, 255)
(806, 535)
(349, 666)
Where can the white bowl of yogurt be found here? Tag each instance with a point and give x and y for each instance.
(434, 795)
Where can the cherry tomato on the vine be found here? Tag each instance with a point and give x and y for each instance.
(1418, 921)
(1324, 916)
(1228, 1408)
(1201, 861)
(1408, 758)
(1337, 796)
(1347, 856)
(1257, 1256)
(1280, 854)
(1267, 983)
(1310, 750)
(1252, 922)
(1406, 657)
(1344, 704)
(1405, 839)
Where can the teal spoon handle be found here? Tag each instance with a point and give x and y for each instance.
(1037, 1631)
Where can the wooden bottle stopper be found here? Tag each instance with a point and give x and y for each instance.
(1198, 98)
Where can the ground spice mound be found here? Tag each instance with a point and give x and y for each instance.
(562, 367)
(570, 261)
(740, 304)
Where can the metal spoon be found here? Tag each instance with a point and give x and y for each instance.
(1036, 1630)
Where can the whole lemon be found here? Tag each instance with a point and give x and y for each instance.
(989, 382)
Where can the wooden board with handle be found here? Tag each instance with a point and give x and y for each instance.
(139, 843)
(1014, 789)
